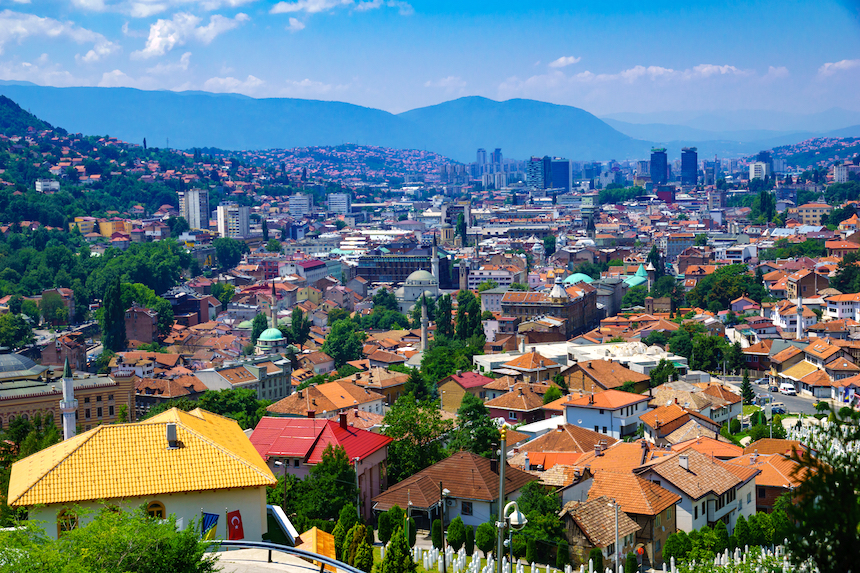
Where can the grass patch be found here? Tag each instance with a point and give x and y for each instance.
(750, 409)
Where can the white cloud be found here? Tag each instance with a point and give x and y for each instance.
(249, 86)
(309, 6)
(17, 27)
(564, 61)
(169, 68)
(776, 73)
(831, 68)
(46, 75)
(309, 88)
(449, 83)
(147, 8)
(115, 79)
(164, 35)
(318, 6)
(295, 25)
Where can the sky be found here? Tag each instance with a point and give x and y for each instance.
(605, 57)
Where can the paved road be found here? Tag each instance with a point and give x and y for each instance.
(793, 404)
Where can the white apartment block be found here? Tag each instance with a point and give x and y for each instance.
(195, 208)
(759, 170)
(300, 204)
(504, 277)
(843, 306)
(233, 221)
(47, 185)
(340, 203)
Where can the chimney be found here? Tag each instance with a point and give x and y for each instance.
(342, 420)
(754, 457)
(520, 389)
(171, 436)
(598, 449)
(676, 399)
(526, 465)
(301, 395)
(312, 414)
(684, 461)
(494, 465)
(591, 398)
(459, 372)
(355, 412)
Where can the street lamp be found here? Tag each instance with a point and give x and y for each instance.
(284, 502)
(356, 461)
(617, 552)
(515, 520)
(443, 497)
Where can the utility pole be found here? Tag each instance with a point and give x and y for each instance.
(501, 522)
(617, 549)
(442, 526)
(357, 491)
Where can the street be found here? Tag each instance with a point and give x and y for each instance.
(793, 404)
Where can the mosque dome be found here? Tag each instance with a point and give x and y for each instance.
(271, 335)
(421, 277)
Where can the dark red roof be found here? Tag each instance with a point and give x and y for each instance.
(308, 437)
(311, 264)
(471, 379)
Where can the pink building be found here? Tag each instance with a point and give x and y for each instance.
(294, 445)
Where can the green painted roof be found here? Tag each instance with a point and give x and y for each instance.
(271, 335)
(640, 272)
(578, 278)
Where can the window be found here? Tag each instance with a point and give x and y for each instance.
(761, 492)
(597, 429)
(601, 412)
(512, 415)
(296, 462)
(696, 512)
(749, 498)
(658, 520)
(466, 508)
(110, 410)
(86, 400)
(98, 412)
(155, 509)
(668, 514)
(98, 398)
(67, 520)
(110, 397)
(87, 414)
(604, 429)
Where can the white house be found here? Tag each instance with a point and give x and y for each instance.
(710, 489)
(843, 306)
(611, 412)
(176, 463)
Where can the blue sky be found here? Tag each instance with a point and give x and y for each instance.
(605, 57)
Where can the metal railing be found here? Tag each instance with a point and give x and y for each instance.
(324, 560)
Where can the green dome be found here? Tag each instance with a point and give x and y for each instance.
(578, 278)
(271, 335)
(245, 325)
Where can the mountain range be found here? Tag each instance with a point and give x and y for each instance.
(456, 128)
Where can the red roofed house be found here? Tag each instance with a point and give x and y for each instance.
(453, 388)
(611, 412)
(293, 445)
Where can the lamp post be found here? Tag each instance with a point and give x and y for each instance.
(355, 461)
(512, 518)
(284, 501)
(617, 552)
(443, 497)
(500, 524)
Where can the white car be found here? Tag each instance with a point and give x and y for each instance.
(788, 389)
(761, 381)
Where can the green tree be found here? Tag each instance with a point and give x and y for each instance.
(470, 540)
(656, 260)
(265, 227)
(534, 497)
(468, 315)
(635, 296)
(562, 556)
(417, 430)
(746, 388)
(300, 327)
(347, 517)
(224, 293)
(31, 309)
(701, 240)
(531, 550)
(461, 228)
(722, 537)
(476, 432)
(518, 287)
(595, 556)
(631, 564)
(398, 557)
(552, 394)
(330, 485)
(485, 538)
(456, 534)
(678, 545)
(444, 326)
(15, 332)
(354, 538)
(549, 245)
(826, 511)
(487, 285)
(344, 342)
(339, 535)
(663, 373)
(741, 536)
(389, 522)
(229, 251)
(420, 388)
(385, 299)
(364, 557)
(258, 325)
(113, 321)
(412, 531)
(110, 541)
(436, 533)
(273, 246)
(54, 310)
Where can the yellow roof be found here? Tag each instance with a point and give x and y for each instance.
(132, 460)
(800, 370)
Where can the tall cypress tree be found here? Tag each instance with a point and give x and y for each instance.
(265, 230)
(113, 333)
(443, 317)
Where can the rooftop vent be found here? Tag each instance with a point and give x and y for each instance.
(172, 442)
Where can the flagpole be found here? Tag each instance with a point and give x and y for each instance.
(227, 524)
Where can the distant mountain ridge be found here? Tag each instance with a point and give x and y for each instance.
(456, 129)
(229, 121)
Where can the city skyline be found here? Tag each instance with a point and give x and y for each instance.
(397, 55)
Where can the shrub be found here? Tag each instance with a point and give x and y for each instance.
(531, 550)
(436, 533)
(456, 533)
(485, 538)
(735, 426)
(596, 558)
(470, 541)
(631, 564)
(562, 556)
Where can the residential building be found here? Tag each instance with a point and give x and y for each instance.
(328, 400)
(474, 500)
(598, 375)
(269, 377)
(340, 203)
(301, 204)
(586, 528)
(68, 297)
(382, 381)
(491, 299)
(71, 347)
(651, 506)
(805, 283)
(141, 324)
(611, 412)
(233, 220)
(576, 304)
(533, 368)
(195, 461)
(521, 405)
(294, 445)
(843, 306)
(453, 388)
(811, 213)
(759, 170)
(662, 422)
(47, 185)
(563, 444)
(711, 490)
(779, 475)
(196, 208)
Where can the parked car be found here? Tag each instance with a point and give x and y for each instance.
(777, 408)
(773, 388)
(787, 389)
(761, 381)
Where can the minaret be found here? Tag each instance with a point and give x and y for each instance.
(274, 302)
(434, 261)
(799, 332)
(423, 323)
(68, 405)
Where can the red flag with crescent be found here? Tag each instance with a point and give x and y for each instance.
(234, 526)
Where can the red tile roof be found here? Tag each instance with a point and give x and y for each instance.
(308, 437)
